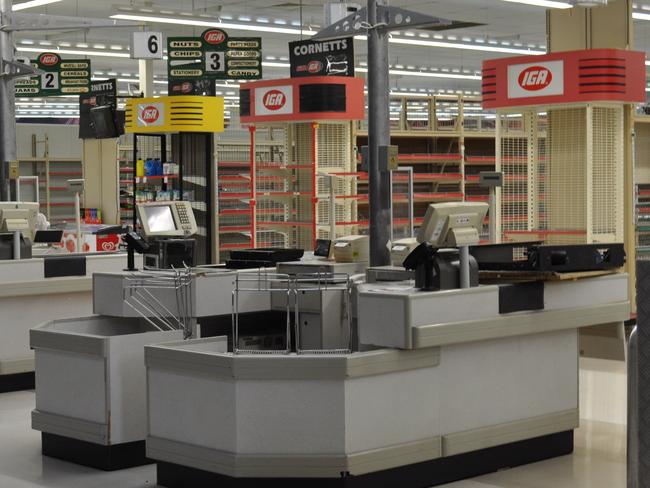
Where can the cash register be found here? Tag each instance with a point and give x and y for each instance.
(442, 260)
(167, 228)
(17, 229)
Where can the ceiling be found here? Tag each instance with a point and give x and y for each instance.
(505, 25)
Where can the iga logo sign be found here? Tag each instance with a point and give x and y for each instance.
(536, 79)
(214, 36)
(48, 59)
(312, 67)
(151, 114)
(274, 100)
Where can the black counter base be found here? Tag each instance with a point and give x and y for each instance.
(421, 475)
(17, 382)
(106, 458)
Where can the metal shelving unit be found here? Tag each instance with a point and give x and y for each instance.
(52, 172)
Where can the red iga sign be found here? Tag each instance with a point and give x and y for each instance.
(48, 59)
(214, 36)
(274, 100)
(567, 77)
(150, 114)
(535, 78)
(307, 99)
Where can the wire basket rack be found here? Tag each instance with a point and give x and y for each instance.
(163, 298)
(292, 287)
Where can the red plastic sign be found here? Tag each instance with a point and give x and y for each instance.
(592, 75)
(214, 36)
(535, 78)
(274, 100)
(48, 59)
(150, 114)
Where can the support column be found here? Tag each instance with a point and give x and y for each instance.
(609, 26)
(7, 102)
(378, 137)
(146, 76)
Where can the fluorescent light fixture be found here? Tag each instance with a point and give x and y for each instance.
(75, 51)
(125, 13)
(424, 74)
(543, 3)
(640, 16)
(457, 45)
(139, 16)
(32, 3)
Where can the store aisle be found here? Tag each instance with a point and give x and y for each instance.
(598, 460)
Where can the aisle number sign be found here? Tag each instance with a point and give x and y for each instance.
(61, 77)
(146, 45)
(214, 55)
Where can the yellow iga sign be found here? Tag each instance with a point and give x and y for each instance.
(174, 114)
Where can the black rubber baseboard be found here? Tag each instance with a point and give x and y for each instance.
(17, 382)
(421, 475)
(106, 458)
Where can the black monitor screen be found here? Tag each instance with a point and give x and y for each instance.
(103, 120)
(328, 97)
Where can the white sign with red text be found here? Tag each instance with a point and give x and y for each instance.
(276, 100)
(536, 79)
(151, 114)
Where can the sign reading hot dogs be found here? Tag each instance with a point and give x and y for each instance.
(322, 58)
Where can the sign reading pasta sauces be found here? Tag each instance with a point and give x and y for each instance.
(322, 58)
(212, 56)
(61, 77)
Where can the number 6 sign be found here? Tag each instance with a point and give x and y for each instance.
(146, 45)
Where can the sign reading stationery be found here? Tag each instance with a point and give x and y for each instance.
(214, 56)
(61, 77)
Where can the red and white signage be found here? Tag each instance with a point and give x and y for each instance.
(48, 59)
(276, 100)
(536, 79)
(151, 114)
(610, 75)
(303, 98)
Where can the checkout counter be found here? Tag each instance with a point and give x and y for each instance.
(35, 289)
(454, 382)
(452, 379)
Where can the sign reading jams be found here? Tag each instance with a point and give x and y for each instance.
(61, 77)
(322, 58)
(212, 56)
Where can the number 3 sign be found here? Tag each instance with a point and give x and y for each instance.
(146, 45)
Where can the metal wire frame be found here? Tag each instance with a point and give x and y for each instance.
(320, 282)
(141, 291)
(270, 282)
(261, 282)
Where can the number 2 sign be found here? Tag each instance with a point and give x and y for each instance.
(146, 45)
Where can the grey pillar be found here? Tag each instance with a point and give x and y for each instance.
(378, 136)
(7, 102)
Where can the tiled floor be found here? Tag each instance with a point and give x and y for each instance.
(598, 461)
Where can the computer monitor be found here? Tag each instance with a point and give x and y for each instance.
(167, 219)
(453, 224)
(20, 216)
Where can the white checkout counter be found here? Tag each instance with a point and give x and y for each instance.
(33, 291)
(455, 389)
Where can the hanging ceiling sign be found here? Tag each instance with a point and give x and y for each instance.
(61, 77)
(322, 58)
(611, 75)
(102, 93)
(213, 56)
